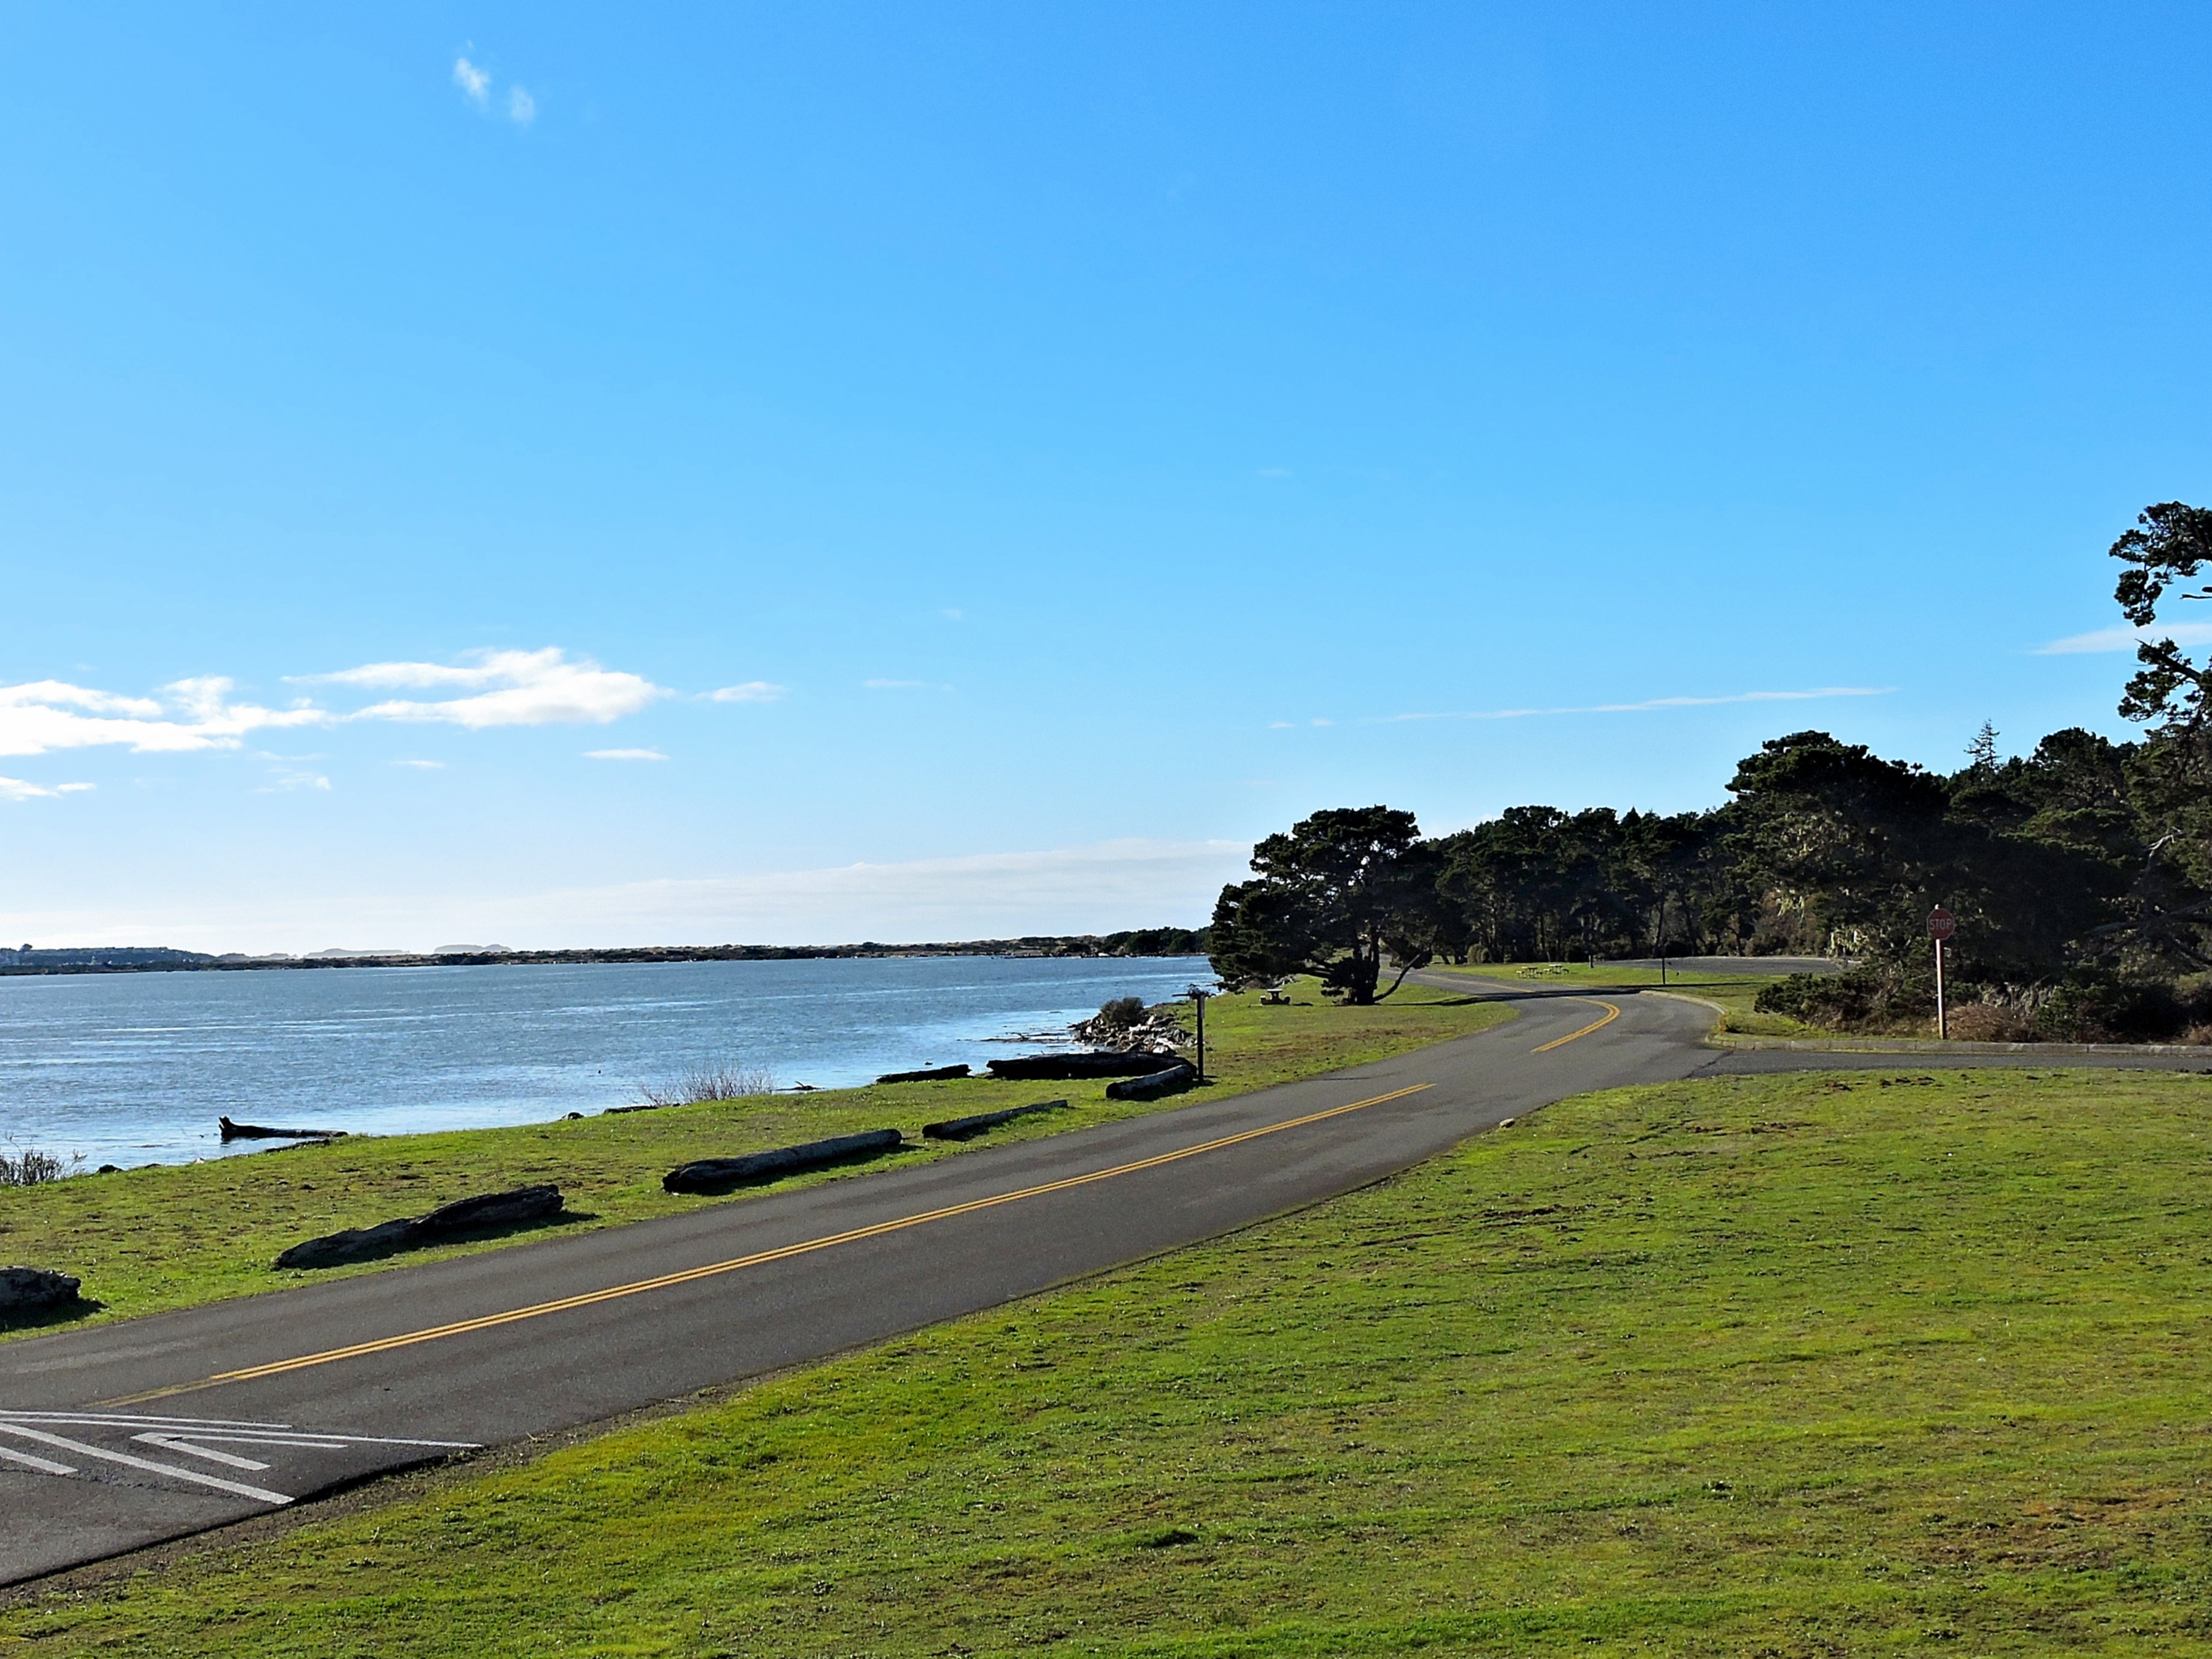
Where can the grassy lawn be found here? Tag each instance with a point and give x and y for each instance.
(1735, 993)
(170, 1236)
(1808, 1365)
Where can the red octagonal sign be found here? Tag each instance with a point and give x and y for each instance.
(1941, 924)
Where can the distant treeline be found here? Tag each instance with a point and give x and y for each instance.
(1134, 942)
(2079, 875)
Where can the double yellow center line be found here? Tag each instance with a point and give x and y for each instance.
(784, 1252)
(1610, 1015)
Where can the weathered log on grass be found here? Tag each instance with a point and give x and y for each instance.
(469, 1215)
(931, 1074)
(959, 1128)
(716, 1175)
(1172, 1081)
(32, 1290)
(256, 1131)
(1060, 1068)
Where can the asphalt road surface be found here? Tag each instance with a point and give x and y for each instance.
(121, 1436)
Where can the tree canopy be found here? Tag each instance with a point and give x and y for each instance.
(1332, 897)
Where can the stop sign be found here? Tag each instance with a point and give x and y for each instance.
(1941, 924)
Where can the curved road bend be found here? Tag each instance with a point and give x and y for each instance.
(125, 1435)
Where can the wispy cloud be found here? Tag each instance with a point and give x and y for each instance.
(505, 687)
(524, 688)
(624, 755)
(475, 83)
(191, 715)
(1644, 706)
(2123, 638)
(522, 107)
(17, 789)
(750, 691)
(286, 781)
(422, 765)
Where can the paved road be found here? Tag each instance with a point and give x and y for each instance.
(125, 1435)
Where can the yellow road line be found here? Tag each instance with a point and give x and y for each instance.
(461, 1328)
(1610, 1015)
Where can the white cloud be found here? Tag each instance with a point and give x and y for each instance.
(624, 755)
(422, 765)
(195, 714)
(475, 83)
(2123, 638)
(510, 688)
(16, 789)
(527, 687)
(522, 107)
(1649, 704)
(750, 691)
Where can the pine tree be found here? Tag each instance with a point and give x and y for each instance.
(1982, 752)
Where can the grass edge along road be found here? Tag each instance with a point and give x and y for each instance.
(1878, 1364)
(176, 1235)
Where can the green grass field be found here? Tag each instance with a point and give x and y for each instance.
(171, 1236)
(1734, 992)
(1775, 1366)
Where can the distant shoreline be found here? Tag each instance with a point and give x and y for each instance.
(1146, 942)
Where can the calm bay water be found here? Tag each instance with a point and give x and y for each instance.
(134, 1068)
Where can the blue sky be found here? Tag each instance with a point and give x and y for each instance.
(1073, 440)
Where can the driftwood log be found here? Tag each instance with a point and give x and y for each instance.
(449, 1221)
(30, 1290)
(1173, 1080)
(1110, 1062)
(959, 1128)
(256, 1131)
(717, 1175)
(931, 1074)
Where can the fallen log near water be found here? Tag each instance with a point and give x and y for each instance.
(959, 1128)
(449, 1221)
(718, 1174)
(35, 1290)
(1171, 1080)
(256, 1131)
(1060, 1068)
(929, 1074)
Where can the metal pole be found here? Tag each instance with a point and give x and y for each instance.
(1942, 1023)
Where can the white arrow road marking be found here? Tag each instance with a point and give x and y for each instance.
(256, 1493)
(190, 1436)
(37, 1463)
(171, 1442)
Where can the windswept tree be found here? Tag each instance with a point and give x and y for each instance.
(1334, 896)
(2171, 543)
(2170, 902)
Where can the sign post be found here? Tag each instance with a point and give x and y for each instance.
(1198, 1000)
(1941, 924)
